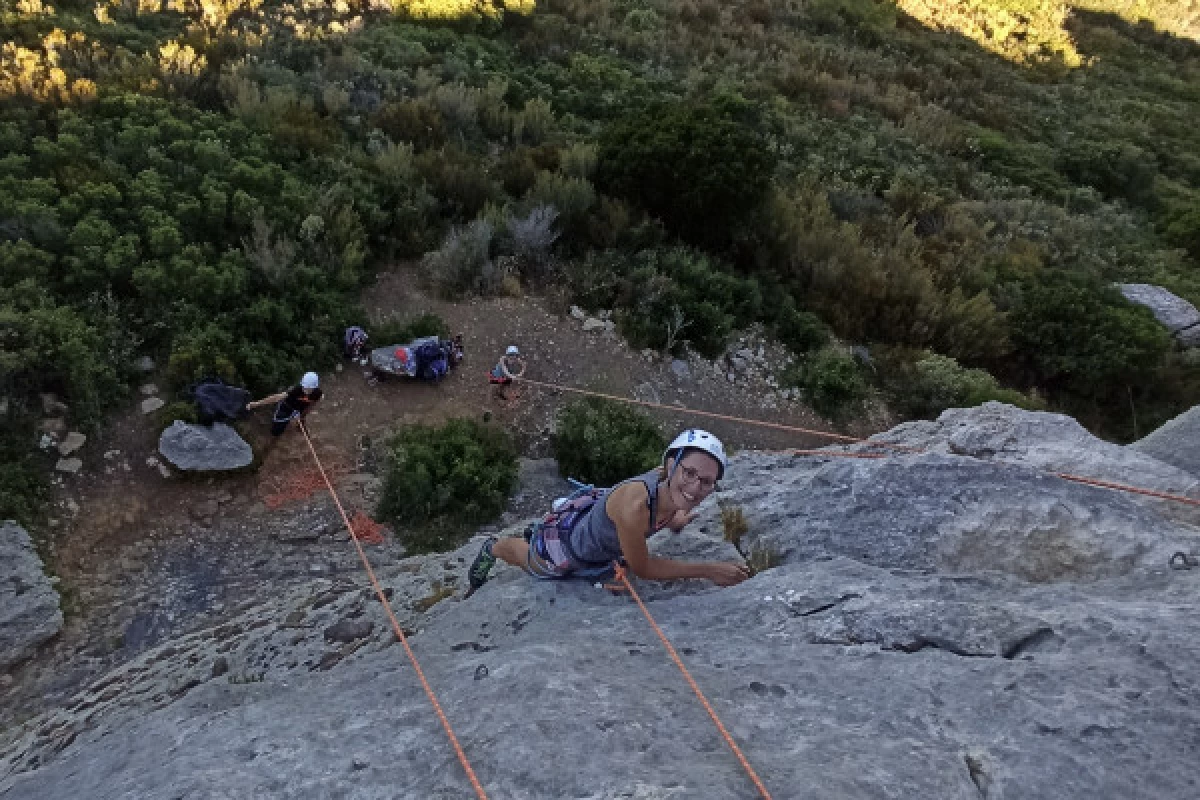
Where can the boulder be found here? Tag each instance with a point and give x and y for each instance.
(29, 610)
(72, 442)
(152, 404)
(68, 465)
(593, 324)
(1176, 443)
(1052, 442)
(1178, 315)
(204, 449)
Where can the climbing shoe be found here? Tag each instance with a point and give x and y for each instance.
(477, 575)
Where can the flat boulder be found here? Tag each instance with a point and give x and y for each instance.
(1051, 442)
(204, 449)
(1178, 315)
(29, 610)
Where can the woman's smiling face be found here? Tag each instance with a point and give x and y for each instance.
(693, 478)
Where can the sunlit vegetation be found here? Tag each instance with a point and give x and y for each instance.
(953, 185)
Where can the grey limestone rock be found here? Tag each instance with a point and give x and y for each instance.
(201, 448)
(1178, 315)
(937, 625)
(1176, 443)
(29, 611)
(1052, 442)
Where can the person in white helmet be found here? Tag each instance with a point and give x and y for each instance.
(511, 365)
(585, 534)
(293, 403)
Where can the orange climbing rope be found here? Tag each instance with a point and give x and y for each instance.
(462, 756)
(625, 585)
(1119, 487)
(712, 414)
(1124, 487)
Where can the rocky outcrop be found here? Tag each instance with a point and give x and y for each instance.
(1050, 442)
(925, 625)
(29, 612)
(1176, 443)
(1178, 315)
(204, 449)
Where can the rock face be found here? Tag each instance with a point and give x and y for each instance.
(1052, 442)
(200, 448)
(29, 612)
(1178, 315)
(931, 625)
(1176, 443)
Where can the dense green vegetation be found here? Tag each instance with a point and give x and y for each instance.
(956, 185)
(601, 442)
(440, 481)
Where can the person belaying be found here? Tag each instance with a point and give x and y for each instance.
(510, 366)
(291, 404)
(586, 533)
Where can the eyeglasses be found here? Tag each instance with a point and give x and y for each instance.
(693, 476)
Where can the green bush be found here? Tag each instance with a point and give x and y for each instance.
(601, 442)
(801, 331)
(439, 481)
(1076, 334)
(931, 383)
(701, 167)
(832, 382)
(24, 494)
(395, 331)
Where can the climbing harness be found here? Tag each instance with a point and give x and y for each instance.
(387, 607)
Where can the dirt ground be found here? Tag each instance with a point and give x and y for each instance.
(141, 556)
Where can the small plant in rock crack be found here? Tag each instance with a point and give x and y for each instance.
(762, 557)
(247, 677)
(733, 521)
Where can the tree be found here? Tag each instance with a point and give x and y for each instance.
(701, 166)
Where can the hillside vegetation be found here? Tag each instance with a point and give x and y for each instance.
(956, 185)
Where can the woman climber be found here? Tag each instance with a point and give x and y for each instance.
(586, 533)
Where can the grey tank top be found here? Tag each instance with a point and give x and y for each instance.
(594, 538)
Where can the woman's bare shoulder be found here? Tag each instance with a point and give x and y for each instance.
(628, 502)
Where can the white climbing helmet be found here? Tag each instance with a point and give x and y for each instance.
(512, 351)
(309, 381)
(699, 440)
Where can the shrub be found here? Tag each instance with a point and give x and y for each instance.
(24, 494)
(701, 167)
(531, 238)
(602, 442)
(733, 522)
(833, 383)
(464, 261)
(1077, 334)
(931, 383)
(802, 332)
(179, 410)
(394, 331)
(439, 481)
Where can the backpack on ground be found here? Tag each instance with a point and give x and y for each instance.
(354, 342)
(217, 401)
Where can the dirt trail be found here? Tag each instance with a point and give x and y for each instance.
(146, 557)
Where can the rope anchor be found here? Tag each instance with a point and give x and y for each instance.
(1182, 560)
